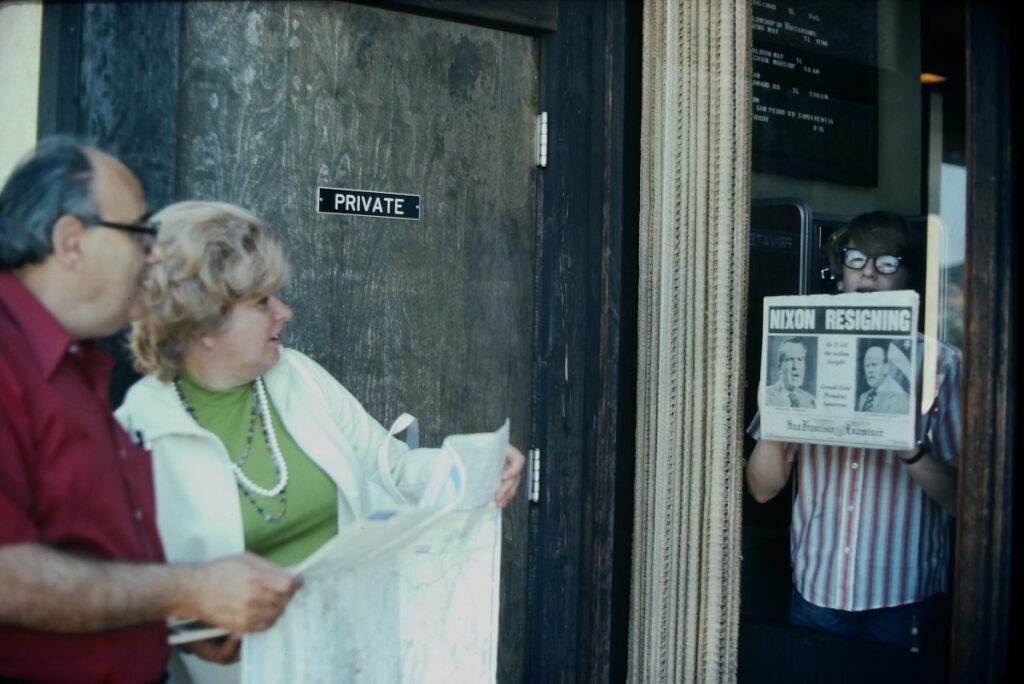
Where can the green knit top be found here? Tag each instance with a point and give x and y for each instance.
(310, 500)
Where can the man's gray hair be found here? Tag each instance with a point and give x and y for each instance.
(54, 179)
(780, 355)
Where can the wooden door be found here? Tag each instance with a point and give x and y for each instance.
(431, 316)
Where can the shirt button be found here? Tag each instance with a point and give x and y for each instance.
(138, 514)
(853, 465)
(846, 550)
(121, 453)
(73, 349)
(850, 508)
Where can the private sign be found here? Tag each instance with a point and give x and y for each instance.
(368, 203)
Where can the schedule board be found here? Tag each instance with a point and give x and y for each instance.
(815, 93)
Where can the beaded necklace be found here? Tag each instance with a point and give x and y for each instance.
(260, 406)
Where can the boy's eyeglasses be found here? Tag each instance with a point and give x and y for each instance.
(886, 264)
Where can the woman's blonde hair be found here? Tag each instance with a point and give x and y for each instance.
(214, 254)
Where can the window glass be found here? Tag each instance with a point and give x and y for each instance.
(858, 107)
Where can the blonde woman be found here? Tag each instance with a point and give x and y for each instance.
(255, 446)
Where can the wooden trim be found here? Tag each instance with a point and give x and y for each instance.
(520, 16)
(983, 562)
(59, 74)
(586, 350)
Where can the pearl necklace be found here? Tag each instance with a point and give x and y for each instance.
(259, 395)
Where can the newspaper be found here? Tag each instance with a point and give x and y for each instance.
(409, 593)
(184, 630)
(459, 484)
(466, 476)
(840, 369)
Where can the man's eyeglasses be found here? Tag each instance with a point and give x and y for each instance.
(886, 264)
(144, 229)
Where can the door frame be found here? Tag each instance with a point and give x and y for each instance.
(984, 618)
(587, 284)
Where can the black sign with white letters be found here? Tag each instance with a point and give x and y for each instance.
(815, 97)
(368, 203)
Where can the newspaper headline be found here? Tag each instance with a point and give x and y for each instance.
(840, 369)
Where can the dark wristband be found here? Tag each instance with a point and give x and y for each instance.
(924, 447)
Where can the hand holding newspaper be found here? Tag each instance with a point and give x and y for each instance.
(466, 475)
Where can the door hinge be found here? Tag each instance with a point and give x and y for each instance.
(541, 140)
(534, 475)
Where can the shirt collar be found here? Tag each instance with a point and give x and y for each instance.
(49, 340)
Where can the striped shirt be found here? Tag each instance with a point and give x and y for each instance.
(864, 535)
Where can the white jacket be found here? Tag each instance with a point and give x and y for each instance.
(197, 501)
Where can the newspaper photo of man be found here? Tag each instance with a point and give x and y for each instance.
(882, 365)
(791, 366)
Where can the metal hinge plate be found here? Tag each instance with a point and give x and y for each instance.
(533, 463)
(541, 140)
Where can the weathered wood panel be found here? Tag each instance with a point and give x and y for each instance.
(433, 317)
(983, 576)
(109, 76)
(586, 345)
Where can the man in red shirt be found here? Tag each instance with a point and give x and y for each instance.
(84, 591)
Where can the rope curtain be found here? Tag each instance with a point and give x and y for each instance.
(694, 223)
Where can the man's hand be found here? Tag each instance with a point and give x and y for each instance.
(54, 591)
(242, 593)
(510, 476)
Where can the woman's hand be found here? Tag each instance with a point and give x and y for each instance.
(510, 476)
(223, 650)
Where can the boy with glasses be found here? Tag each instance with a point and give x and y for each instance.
(870, 532)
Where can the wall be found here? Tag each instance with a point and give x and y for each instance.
(20, 34)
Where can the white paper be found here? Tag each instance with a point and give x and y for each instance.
(468, 480)
(184, 630)
(407, 594)
(381, 532)
(483, 457)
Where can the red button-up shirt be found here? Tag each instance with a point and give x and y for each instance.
(70, 478)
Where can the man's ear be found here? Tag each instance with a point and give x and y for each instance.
(67, 237)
